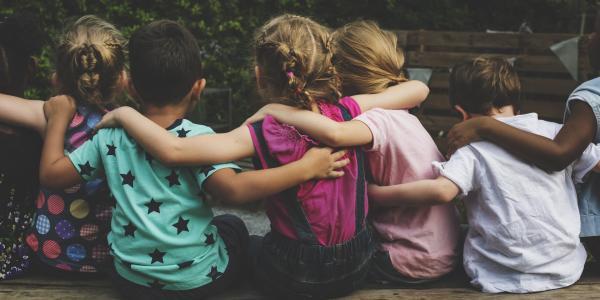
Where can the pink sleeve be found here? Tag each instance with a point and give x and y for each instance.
(351, 105)
(284, 143)
(375, 119)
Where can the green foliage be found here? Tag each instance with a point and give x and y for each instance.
(225, 28)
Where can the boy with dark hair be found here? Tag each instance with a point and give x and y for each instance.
(164, 239)
(523, 222)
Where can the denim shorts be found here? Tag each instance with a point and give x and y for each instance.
(288, 268)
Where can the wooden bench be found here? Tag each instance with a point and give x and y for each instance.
(545, 82)
(454, 286)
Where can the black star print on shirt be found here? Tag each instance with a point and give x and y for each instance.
(157, 256)
(128, 179)
(156, 284)
(207, 170)
(181, 225)
(153, 206)
(112, 150)
(130, 229)
(214, 274)
(210, 239)
(182, 132)
(86, 169)
(173, 179)
(185, 264)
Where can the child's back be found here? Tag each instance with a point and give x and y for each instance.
(71, 225)
(161, 231)
(523, 222)
(422, 242)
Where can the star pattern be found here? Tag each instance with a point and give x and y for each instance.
(185, 264)
(214, 274)
(173, 179)
(207, 170)
(153, 206)
(210, 239)
(156, 284)
(86, 169)
(181, 225)
(157, 256)
(182, 132)
(112, 150)
(130, 229)
(128, 179)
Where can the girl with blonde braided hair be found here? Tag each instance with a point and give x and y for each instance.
(69, 230)
(369, 61)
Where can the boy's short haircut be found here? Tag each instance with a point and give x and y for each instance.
(480, 84)
(164, 62)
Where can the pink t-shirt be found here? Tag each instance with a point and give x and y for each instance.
(423, 242)
(328, 211)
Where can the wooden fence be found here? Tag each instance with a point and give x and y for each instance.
(545, 82)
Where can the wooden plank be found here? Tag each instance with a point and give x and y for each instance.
(538, 42)
(529, 85)
(445, 60)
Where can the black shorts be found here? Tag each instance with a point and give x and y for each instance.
(289, 269)
(235, 235)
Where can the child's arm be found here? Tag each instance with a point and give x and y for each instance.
(350, 133)
(319, 127)
(238, 188)
(423, 192)
(597, 168)
(554, 155)
(174, 151)
(401, 96)
(56, 170)
(22, 112)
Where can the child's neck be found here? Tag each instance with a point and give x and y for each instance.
(502, 112)
(165, 115)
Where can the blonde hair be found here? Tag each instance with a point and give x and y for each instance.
(90, 58)
(367, 58)
(294, 56)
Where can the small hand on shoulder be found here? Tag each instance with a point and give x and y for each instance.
(466, 132)
(61, 106)
(323, 163)
(112, 118)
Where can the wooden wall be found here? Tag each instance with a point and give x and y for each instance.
(545, 82)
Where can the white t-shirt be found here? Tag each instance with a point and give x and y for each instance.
(523, 222)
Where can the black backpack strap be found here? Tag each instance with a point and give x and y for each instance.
(360, 181)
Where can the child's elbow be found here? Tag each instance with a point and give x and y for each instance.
(49, 180)
(445, 197)
(422, 90)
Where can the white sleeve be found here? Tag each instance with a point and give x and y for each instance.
(588, 160)
(462, 169)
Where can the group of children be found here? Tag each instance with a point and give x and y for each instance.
(130, 201)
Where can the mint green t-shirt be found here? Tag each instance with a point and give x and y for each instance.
(161, 234)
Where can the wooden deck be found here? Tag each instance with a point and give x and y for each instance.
(454, 287)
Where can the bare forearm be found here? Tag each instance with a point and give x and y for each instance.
(22, 112)
(251, 186)
(401, 96)
(175, 151)
(325, 130)
(52, 154)
(423, 192)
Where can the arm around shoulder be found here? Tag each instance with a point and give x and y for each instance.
(423, 192)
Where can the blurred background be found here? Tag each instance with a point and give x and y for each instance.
(225, 28)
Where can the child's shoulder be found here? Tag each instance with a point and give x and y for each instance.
(187, 128)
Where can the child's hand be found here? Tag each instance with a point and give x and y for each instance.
(112, 118)
(323, 164)
(270, 109)
(60, 107)
(464, 133)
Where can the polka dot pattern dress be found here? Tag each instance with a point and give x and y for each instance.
(19, 154)
(71, 225)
